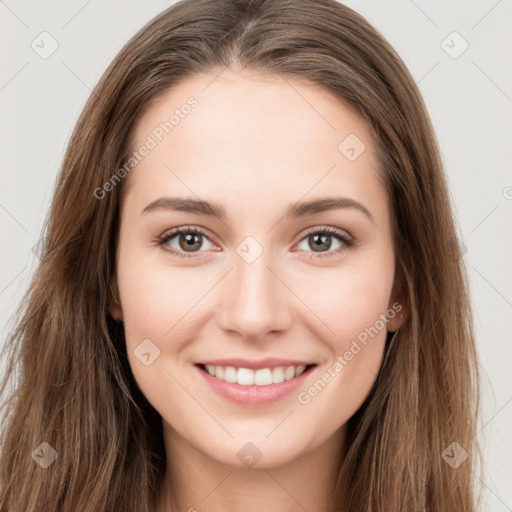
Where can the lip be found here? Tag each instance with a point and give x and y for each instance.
(253, 395)
(269, 362)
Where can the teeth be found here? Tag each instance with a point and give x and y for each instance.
(261, 377)
(277, 375)
(289, 373)
(245, 377)
(229, 374)
(219, 372)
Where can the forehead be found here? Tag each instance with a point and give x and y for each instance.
(246, 132)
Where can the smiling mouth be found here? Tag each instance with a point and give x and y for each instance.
(260, 377)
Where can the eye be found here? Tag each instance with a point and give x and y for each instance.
(320, 239)
(184, 242)
(187, 241)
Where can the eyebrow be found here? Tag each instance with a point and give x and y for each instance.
(294, 210)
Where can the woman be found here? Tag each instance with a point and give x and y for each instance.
(251, 295)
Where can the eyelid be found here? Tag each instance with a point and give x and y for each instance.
(186, 229)
(330, 230)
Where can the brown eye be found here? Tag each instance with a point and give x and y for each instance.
(320, 242)
(190, 242)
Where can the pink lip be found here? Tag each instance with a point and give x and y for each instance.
(253, 395)
(269, 362)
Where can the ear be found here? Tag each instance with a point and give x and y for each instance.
(114, 303)
(398, 307)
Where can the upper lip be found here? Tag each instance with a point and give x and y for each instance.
(270, 362)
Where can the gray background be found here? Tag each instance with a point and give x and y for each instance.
(469, 97)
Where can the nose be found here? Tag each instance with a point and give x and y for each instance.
(255, 300)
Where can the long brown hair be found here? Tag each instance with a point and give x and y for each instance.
(71, 382)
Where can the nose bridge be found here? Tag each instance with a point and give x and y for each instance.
(255, 305)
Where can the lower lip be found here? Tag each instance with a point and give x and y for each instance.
(254, 395)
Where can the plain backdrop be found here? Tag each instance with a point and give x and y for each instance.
(460, 54)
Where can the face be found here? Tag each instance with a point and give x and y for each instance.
(282, 279)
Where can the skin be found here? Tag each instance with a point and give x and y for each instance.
(254, 144)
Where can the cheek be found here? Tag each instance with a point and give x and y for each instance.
(155, 296)
(162, 313)
(352, 305)
(157, 313)
(351, 300)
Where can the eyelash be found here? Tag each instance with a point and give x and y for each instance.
(344, 237)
